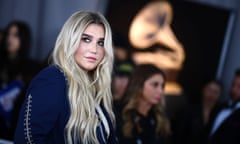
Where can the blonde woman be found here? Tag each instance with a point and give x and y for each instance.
(70, 101)
(144, 119)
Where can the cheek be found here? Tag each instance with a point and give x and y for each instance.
(17, 42)
(80, 50)
(117, 82)
(13, 44)
(76, 54)
(147, 92)
(102, 52)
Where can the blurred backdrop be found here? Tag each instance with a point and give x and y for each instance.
(207, 29)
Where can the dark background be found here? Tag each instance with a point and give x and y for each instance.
(200, 28)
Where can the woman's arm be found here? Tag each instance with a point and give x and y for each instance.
(42, 108)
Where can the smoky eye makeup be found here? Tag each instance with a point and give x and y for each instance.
(86, 38)
(155, 84)
(101, 42)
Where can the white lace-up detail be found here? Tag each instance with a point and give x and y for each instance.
(27, 123)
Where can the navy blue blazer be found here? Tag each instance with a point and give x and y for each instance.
(46, 110)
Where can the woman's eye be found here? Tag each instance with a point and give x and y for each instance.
(155, 84)
(101, 43)
(86, 40)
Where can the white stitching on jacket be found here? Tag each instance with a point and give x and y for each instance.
(27, 128)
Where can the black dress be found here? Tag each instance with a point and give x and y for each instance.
(147, 124)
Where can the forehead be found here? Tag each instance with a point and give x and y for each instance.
(155, 77)
(96, 30)
(13, 28)
(213, 84)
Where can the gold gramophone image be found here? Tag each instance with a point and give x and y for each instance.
(151, 26)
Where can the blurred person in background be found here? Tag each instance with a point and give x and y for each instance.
(123, 67)
(193, 119)
(16, 70)
(120, 79)
(121, 74)
(143, 117)
(224, 121)
(211, 94)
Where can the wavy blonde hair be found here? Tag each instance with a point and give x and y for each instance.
(133, 94)
(85, 90)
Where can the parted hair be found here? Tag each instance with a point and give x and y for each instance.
(134, 92)
(85, 89)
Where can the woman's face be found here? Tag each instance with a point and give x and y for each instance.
(13, 41)
(235, 88)
(153, 89)
(211, 93)
(119, 86)
(91, 50)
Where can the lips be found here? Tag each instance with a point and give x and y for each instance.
(91, 59)
(158, 98)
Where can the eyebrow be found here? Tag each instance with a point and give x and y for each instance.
(87, 35)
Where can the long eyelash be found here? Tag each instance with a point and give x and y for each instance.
(101, 42)
(85, 39)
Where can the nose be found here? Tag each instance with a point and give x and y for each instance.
(93, 48)
(160, 90)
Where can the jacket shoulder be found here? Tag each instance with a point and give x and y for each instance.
(50, 74)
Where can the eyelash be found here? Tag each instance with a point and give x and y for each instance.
(87, 40)
(101, 43)
(155, 84)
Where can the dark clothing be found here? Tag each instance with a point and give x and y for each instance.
(45, 111)
(189, 126)
(148, 134)
(228, 132)
(12, 71)
(18, 69)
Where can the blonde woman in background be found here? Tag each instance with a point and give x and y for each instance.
(70, 101)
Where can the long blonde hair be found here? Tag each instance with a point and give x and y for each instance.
(85, 91)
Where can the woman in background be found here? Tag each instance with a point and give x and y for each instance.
(15, 62)
(193, 120)
(16, 71)
(70, 101)
(144, 119)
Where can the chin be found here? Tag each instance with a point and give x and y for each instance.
(89, 68)
(155, 102)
